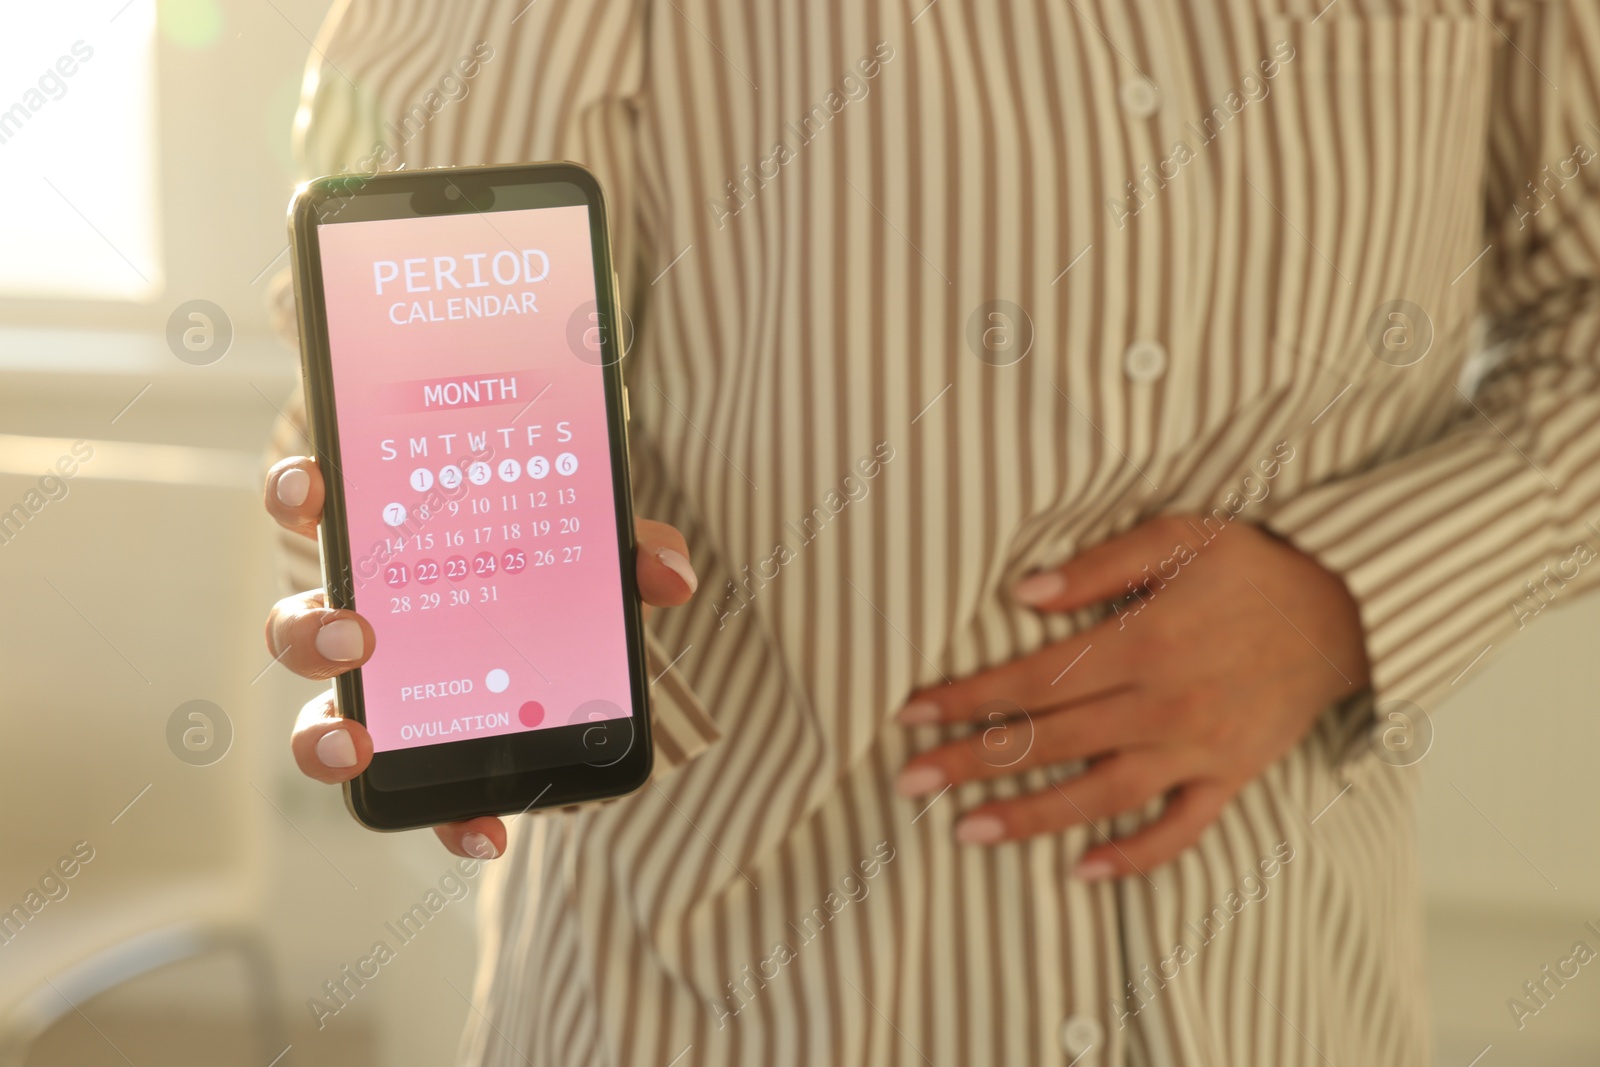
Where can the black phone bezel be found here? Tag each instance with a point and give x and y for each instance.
(596, 772)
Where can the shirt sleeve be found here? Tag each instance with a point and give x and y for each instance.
(393, 84)
(1452, 549)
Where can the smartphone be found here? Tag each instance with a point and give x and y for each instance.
(458, 328)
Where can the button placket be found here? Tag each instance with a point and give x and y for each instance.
(1139, 97)
(1080, 1035)
(1144, 361)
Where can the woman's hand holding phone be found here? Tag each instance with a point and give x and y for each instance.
(315, 641)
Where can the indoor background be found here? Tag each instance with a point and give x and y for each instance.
(221, 889)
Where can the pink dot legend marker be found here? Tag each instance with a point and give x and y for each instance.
(531, 713)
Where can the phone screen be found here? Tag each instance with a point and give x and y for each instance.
(476, 468)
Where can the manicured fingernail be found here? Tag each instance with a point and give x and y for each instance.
(915, 781)
(679, 565)
(294, 485)
(1038, 588)
(918, 712)
(479, 846)
(336, 749)
(341, 640)
(980, 830)
(1093, 871)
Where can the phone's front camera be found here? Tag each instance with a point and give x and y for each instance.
(452, 193)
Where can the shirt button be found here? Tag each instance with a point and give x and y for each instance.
(1140, 97)
(1144, 361)
(1079, 1034)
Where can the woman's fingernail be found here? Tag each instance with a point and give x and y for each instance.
(980, 830)
(918, 712)
(1038, 588)
(479, 846)
(294, 485)
(915, 781)
(341, 640)
(1093, 871)
(336, 749)
(679, 565)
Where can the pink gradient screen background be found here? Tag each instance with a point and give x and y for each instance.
(556, 629)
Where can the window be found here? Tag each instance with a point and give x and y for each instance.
(77, 144)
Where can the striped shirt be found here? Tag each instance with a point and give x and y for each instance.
(931, 295)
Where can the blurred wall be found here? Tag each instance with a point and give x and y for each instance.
(1510, 827)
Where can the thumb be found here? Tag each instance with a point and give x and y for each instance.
(666, 577)
(1111, 569)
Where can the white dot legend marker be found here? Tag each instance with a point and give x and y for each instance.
(497, 680)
